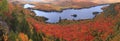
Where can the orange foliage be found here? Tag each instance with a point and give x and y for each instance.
(23, 37)
(77, 32)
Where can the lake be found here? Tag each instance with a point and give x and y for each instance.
(68, 14)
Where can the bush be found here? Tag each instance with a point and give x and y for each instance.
(3, 6)
(110, 11)
(12, 36)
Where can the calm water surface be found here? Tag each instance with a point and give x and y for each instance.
(54, 17)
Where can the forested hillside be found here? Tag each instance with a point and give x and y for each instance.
(19, 24)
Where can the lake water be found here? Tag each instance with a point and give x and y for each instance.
(28, 6)
(69, 14)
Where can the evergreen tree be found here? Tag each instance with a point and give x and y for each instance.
(3, 6)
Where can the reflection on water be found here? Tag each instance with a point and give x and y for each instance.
(69, 14)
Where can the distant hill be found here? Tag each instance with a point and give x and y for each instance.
(57, 5)
(52, 1)
(63, 5)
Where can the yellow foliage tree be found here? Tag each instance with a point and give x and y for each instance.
(23, 37)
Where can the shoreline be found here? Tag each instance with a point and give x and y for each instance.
(68, 8)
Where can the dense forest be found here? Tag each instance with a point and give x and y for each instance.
(18, 24)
